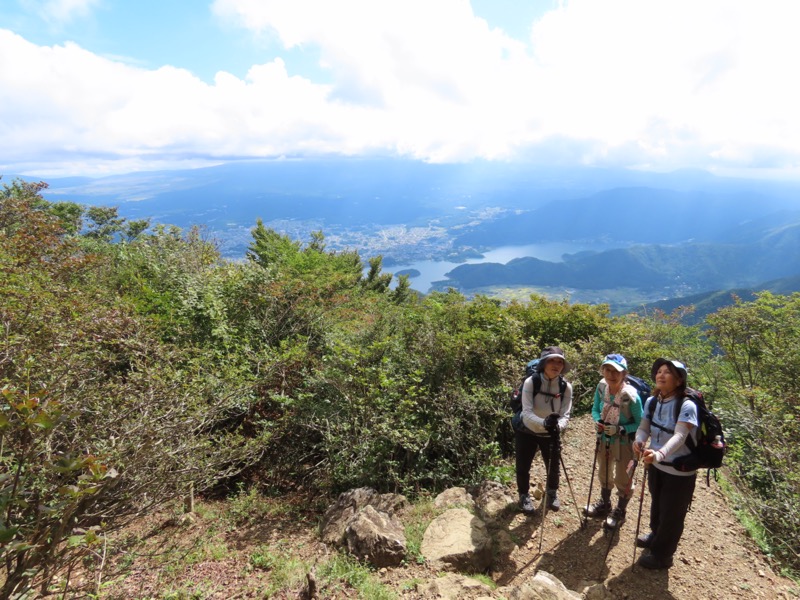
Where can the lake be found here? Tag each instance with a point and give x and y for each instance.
(434, 270)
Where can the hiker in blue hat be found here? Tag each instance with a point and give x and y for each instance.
(617, 411)
(671, 490)
(545, 415)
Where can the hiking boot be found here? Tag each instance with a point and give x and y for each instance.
(617, 518)
(651, 561)
(597, 510)
(553, 503)
(601, 508)
(526, 504)
(645, 540)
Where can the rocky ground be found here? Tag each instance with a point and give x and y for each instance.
(715, 560)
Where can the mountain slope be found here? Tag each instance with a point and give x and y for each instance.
(706, 303)
(675, 269)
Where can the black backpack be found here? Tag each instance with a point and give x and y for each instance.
(515, 400)
(710, 448)
(641, 386)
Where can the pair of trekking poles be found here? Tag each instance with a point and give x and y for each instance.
(554, 441)
(630, 471)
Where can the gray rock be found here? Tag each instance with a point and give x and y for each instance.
(376, 537)
(454, 587)
(543, 586)
(454, 497)
(458, 540)
(337, 517)
(493, 501)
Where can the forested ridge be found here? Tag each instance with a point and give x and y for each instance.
(136, 364)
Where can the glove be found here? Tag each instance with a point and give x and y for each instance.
(551, 423)
(610, 430)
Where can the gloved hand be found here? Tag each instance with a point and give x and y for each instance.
(551, 423)
(610, 430)
(600, 426)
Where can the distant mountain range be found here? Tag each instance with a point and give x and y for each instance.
(706, 303)
(671, 234)
(773, 254)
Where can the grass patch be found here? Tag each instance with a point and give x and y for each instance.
(751, 524)
(286, 573)
(485, 580)
(346, 570)
(212, 550)
(263, 558)
(249, 506)
(416, 522)
(190, 591)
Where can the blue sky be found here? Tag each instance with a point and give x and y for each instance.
(90, 87)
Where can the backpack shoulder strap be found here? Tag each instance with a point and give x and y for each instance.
(537, 382)
(652, 408)
(562, 386)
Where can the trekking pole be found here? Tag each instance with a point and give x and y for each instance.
(630, 472)
(549, 464)
(639, 518)
(571, 492)
(591, 483)
(608, 471)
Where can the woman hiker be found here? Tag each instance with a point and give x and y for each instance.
(670, 490)
(545, 415)
(617, 412)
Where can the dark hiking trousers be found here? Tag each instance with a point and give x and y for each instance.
(525, 447)
(670, 497)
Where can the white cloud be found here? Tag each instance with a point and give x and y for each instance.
(643, 83)
(61, 11)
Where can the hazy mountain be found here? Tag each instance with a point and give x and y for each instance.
(672, 268)
(343, 193)
(706, 303)
(673, 234)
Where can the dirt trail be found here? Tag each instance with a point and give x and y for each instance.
(720, 563)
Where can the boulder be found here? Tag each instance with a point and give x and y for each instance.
(337, 517)
(376, 537)
(543, 586)
(454, 587)
(494, 500)
(454, 497)
(458, 540)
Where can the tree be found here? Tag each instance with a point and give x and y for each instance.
(104, 222)
(271, 249)
(101, 421)
(375, 280)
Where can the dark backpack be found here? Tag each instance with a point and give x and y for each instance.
(515, 400)
(710, 448)
(641, 386)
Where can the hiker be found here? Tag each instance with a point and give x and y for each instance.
(544, 416)
(617, 412)
(670, 490)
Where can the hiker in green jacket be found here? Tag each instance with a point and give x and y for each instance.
(617, 412)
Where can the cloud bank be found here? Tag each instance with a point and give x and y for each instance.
(630, 83)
